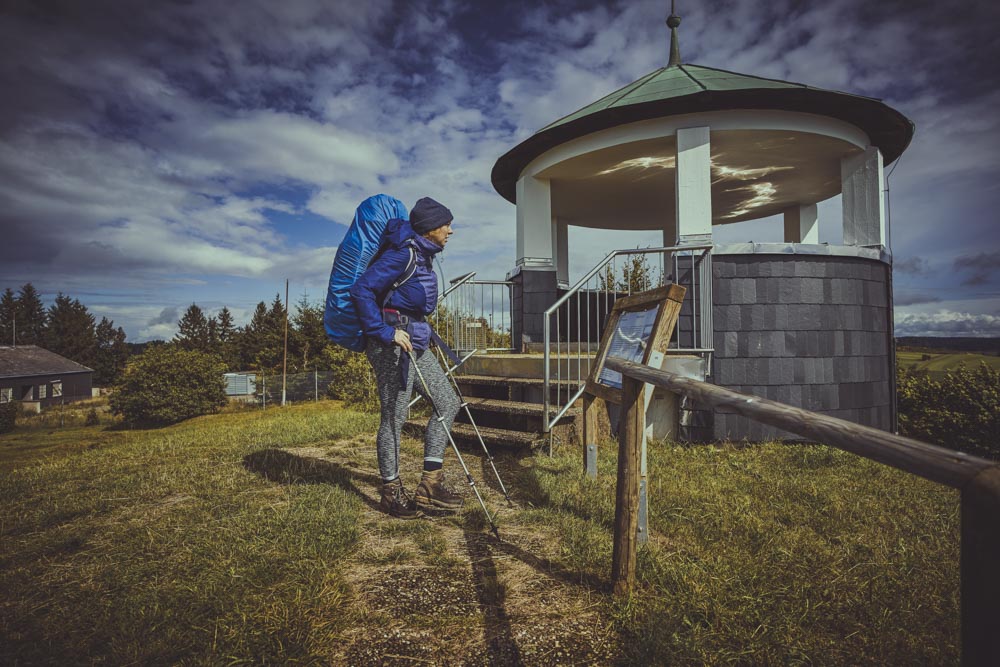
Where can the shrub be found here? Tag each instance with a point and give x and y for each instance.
(959, 409)
(92, 418)
(353, 380)
(165, 384)
(8, 416)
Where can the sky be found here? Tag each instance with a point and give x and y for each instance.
(158, 154)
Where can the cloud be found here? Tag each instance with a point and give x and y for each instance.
(912, 298)
(167, 316)
(917, 266)
(147, 148)
(982, 266)
(947, 323)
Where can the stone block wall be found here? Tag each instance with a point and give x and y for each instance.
(809, 331)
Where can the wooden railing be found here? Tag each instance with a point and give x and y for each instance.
(978, 481)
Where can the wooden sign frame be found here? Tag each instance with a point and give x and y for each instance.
(669, 298)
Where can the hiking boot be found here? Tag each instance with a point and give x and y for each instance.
(432, 494)
(397, 502)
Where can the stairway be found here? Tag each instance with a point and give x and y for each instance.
(504, 393)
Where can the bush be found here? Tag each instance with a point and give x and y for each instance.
(353, 380)
(959, 410)
(166, 384)
(92, 418)
(8, 416)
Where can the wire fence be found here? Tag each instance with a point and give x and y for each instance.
(265, 389)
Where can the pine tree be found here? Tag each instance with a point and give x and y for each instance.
(111, 354)
(213, 336)
(274, 335)
(308, 337)
(192, 330)
(250, 341)
(8, 315)
(30, 316)
(69, 330)
(227, 334)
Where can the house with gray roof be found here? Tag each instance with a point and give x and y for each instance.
(39, 378)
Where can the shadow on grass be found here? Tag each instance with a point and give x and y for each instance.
(501, 648)
(277, 465)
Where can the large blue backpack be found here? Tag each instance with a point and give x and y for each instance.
(360, 246)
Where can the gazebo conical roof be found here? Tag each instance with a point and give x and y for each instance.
(684, 89)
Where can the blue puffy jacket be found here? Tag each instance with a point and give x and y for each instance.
(417, 297)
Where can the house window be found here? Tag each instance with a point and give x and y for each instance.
(57, 389)
(42, 391)
(6, 394)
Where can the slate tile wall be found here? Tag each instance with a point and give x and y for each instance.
(810, 331)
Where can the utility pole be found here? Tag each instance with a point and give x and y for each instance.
(284, 362)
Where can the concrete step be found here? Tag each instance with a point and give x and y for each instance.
(515, 407)
(529, 366)
(493, 437)
(497, 381)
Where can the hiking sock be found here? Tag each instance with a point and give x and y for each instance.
(430, 465)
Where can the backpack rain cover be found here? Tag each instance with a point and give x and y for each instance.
(356, 251)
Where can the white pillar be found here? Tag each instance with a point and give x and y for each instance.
(864, 207)
(801, 224)
(694, 184)
(560, 242)
(534, 223)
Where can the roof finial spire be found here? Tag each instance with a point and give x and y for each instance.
(672, 22)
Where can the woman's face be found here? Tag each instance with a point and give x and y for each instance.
(440, 235)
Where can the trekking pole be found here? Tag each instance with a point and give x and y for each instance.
(468, 475)
(468, 413)
(440, 418)
(416, 399)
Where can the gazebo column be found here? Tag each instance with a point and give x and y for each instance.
(801, 224)
(534, 276)
(863, 204)
(560, 243)
(693, 185)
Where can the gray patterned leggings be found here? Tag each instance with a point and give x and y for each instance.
(395, 398)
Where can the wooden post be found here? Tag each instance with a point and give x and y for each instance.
(980, 568)
(592, 409)
(627, 492)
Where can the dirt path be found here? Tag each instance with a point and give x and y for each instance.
(442, 591)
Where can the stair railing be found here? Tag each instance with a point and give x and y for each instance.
(588, 303)
(474, 315)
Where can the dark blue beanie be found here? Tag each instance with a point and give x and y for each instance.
(428, 214)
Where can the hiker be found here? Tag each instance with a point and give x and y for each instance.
(394, 325)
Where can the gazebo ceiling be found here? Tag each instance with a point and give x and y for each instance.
(755, 173)
(690, 89)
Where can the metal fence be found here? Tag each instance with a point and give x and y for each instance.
(299, 387)
(474, 315)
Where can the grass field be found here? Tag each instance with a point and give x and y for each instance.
(252, 537)
(942, 363)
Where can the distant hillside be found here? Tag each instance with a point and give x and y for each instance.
(934, 344)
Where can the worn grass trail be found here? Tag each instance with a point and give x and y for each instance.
(255, 538)
(441, 590)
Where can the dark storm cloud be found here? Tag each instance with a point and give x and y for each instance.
(912, 298)
(980, 267)
(917, 266)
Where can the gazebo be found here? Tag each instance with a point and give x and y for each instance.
(688, 147)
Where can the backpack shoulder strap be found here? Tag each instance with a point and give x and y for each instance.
(411, 267)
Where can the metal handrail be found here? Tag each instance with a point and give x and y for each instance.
(458, 282)
(548, 424)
